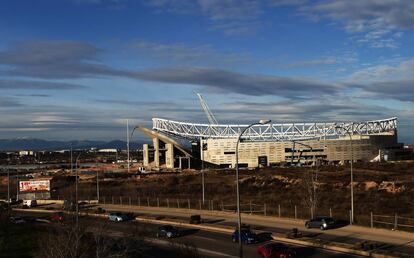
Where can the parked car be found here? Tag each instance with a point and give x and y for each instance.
(29, 203)
(167, 231)
(17, 220)
(275, 250)
(195, 219)
(247, 236)
(322, 222)
(117, 216)
(58, 217)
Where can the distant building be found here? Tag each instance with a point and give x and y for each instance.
(108, 150)
(26, 153)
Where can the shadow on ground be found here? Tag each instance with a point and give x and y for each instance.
(263, 237)
(186, 232)
(304, 251)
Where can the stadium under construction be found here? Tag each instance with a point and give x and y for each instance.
(183, 145)
(270, 144)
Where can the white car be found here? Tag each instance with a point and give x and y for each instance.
(29, 203)
(117, 216)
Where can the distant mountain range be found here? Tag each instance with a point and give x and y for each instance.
(39, 144)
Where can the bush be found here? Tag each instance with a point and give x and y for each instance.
(367, 245)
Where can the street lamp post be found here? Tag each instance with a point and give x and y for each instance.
(352, 173)
(202, 169)
(261, 122)
(352, 179)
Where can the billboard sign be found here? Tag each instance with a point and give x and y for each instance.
(34, 185)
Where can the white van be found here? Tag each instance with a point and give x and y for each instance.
(29, 203)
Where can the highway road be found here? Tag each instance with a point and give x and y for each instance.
(209, 244)
(394, 240)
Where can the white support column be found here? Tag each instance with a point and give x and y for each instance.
(156, 143)
(169, 155)
(145, 153)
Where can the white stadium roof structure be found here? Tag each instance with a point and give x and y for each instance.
(273, 131)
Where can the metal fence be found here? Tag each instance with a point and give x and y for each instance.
(394, 222)
(294, 211)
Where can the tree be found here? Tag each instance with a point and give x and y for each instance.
(310, 179)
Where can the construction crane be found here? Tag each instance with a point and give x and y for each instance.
(211, 118)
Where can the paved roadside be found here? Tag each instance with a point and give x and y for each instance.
(398, 240)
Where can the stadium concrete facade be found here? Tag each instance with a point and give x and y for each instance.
(267, 145)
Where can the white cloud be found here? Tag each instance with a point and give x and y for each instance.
(401, 71)
(378, 21)
(188, 54)
(232, 17)
(385, 81)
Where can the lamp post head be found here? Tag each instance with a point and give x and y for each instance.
(264, 121)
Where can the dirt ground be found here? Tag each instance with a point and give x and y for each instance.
(381, 188)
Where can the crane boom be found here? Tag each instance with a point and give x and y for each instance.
(211, 118)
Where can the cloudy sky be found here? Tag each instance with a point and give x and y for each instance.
(76, 69)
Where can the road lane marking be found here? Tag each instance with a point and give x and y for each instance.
(205, 238)
(201, 250)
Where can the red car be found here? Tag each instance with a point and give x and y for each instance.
(275, 250)
(57, 217)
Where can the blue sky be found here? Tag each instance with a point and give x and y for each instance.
(76, 69)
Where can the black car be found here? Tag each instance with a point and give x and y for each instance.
(167, 231)
(247, 236)
(195, 219)
(322, 222)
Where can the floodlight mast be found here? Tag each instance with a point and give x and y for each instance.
(210, 116)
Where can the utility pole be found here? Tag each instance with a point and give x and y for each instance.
(71, 162)
(128, 143)
(18, 185)
(97, 184)
(76, 189)
(8, 184)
